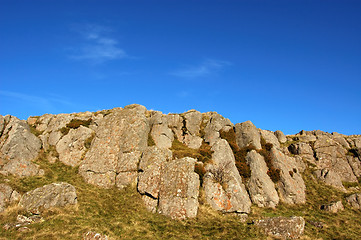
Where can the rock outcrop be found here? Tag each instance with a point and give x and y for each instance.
(260, 186)
(282, 227)
(18, 147)
(354, 200)
(134, 146)
(179, 189)
(52, 195)
(7, 196)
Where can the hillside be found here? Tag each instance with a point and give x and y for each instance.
(133, 173)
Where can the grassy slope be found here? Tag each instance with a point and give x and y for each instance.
(121, 215)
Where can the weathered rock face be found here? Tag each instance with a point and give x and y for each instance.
(119, 141)
(291, 187)
(271, 138)
(162, 135)
(329, 177)
(52, 195)
(247, 135)
(332, 155)
(179, 189)
(7, 196)
(223, 186)
(283, 227)
(260, 186)
(333, 207)
(150, 166)
(354, 200)
(215, 124)
(280, 136)
(18, 146)
(304, 150)
(193, 121)
(71, 147)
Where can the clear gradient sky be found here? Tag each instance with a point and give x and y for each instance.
(287, 65)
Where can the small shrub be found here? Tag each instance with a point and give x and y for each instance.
(150, 140)
(76, 123)
(88, 141)
(64, 130)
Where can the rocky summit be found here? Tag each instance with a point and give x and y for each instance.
(187, 166)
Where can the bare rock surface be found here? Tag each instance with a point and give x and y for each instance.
(223, 186)
(271, 138)
(291, 187)
(7, 196)
(282, 227)
(332, 155)
(18, 147)
(281, 136)
(333, 207)
(329, 177)
(179, 189)
(215, 123)
(71, 147)
(193, 121)
(51, 195)
(119, 141)
(260, 186)
(150, 166)
(247, 135)
(354, 200)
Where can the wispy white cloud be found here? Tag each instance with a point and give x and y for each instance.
(207, 67)
(97, 46)
(47, 103)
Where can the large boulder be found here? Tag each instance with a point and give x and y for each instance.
(260, 186)
(7, 196)
(282, 227)
(329, 177)
(119, 142)
(291, 187)
(270, 138)
(281, 136)
(223, 186)
(51, 195)
(304, 150)
(71, 147)
(179, 189)
(247, 135)
(18, 147)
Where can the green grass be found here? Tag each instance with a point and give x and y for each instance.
(120, 214)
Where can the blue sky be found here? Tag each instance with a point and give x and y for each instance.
(287, 65)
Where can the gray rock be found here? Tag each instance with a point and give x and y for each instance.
(52, 195)
(355, 165)
(271, 138)
(150, 167)
(120, 139)
(193, 121)
(18, 146)
(162, 135)
(71, 147)
(150, 203)
(175, 123)
(280, 136)
(329, 177)
(333, 207)
(124, 179)
(7, 196)
(223, 186)
(215, 123)
(304, 150)
(332, 155)
(179, 189)
(282, 227)
(260, 186)
(247, 135)
(354, 200)
(291, 187)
